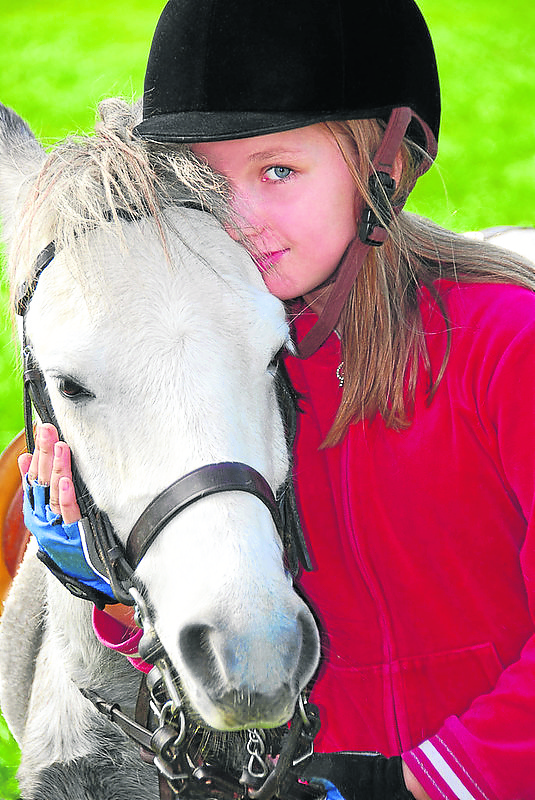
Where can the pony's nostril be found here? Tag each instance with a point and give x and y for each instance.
(197, 653)
(309, 653)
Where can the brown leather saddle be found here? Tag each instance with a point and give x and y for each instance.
(13, 534)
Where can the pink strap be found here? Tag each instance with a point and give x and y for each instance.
(119, 637)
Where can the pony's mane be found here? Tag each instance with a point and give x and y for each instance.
(94, 181)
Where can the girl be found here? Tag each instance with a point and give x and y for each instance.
(415, 361)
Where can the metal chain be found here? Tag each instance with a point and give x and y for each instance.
(165, 702)
(256, 748)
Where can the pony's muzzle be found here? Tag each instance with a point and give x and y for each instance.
(242, 682)
(242, 709)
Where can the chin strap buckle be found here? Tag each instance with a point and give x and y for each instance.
(374, 224)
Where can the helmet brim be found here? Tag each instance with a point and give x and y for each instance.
(213, 126)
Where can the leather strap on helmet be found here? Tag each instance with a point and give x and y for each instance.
(372, 230)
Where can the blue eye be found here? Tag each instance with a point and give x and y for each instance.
(278, 173)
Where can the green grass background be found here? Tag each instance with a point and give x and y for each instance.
(57, 60)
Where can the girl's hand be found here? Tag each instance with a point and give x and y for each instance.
(413, 785)
(50, 465)
(357, 776)
(52, 515)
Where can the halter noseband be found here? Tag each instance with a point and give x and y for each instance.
(227, 476)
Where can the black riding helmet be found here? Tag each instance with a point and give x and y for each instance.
(226, 69)
(229, 69)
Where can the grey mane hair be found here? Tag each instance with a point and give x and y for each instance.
(94, 181)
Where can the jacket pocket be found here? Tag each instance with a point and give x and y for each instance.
(430, 688)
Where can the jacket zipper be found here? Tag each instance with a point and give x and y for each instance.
(373, 587)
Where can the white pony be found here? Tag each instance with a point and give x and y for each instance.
(164, 325)
(518, 239)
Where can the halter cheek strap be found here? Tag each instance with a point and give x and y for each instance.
(373, 231)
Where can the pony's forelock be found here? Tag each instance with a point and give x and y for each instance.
(96, 181)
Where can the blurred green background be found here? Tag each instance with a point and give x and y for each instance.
(59, 59)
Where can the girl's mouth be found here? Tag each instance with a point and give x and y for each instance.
(267, 260)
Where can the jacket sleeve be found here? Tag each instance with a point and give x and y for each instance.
(488, 753)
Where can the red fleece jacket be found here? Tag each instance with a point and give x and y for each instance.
(423, 542)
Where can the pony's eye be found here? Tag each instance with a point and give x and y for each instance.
(73, 390)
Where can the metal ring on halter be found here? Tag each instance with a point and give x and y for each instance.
(302, 711)
(309, 725)
(167, 712)
(168, 715)
(170, 685)
(160, 765)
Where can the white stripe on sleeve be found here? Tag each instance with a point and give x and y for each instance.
(445, 771)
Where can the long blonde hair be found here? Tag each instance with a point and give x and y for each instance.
(383, 342)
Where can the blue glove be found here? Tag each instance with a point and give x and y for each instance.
(357, 776)
(65, 545)
(332, 792)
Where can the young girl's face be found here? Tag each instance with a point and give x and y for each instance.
(296, 198)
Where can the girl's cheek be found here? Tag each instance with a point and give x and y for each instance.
(245, 222)
(238, 224)
(233, 231)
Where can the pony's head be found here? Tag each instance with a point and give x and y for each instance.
(156, 337)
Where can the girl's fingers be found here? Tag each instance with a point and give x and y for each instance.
(47, 436)
(38, 465)
(24, 461)
(61, 468)
(33, 464)
(50, 464)
(69, 508)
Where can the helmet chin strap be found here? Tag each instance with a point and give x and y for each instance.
(372, 232)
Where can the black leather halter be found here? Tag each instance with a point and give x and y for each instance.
(227, 476)
(105, 549)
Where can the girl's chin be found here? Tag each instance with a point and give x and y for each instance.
(277, 286)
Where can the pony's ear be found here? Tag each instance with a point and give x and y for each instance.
(21, 157)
